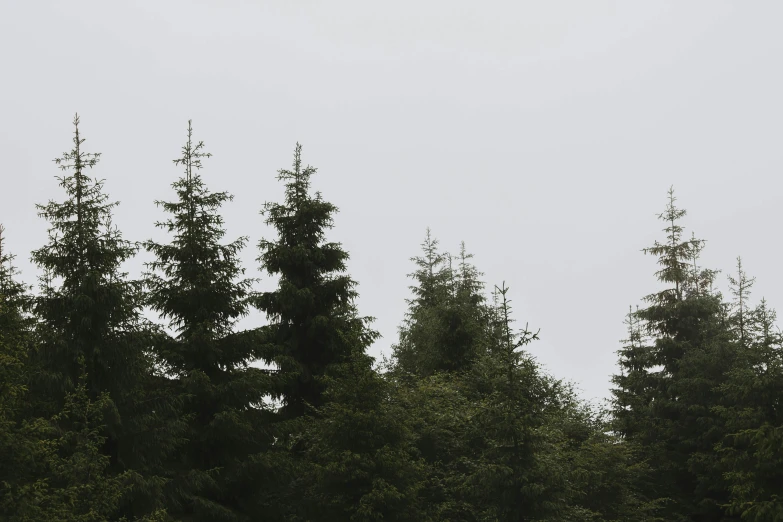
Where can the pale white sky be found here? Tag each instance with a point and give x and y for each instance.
(543, 133)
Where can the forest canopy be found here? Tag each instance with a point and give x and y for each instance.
(106, 415)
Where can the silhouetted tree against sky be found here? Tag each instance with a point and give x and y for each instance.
(194, 283)
(446, 327)
(90, 328)
(668, 392)
(313, 319)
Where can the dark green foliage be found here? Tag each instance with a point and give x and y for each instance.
(361, 446)
(520, 471)
(313, 322)
(107, 417)
(87, 306)
(446, 325)
(193, 283)
(605, 480)
(752, 453)
(50, 469)
(666, 397)
(89, 323)
(16, 341)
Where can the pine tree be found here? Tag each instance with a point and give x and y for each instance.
(50, 469)
(312, 315)
(446, 326)
(751, 454)
(89, 319)
(520, 467)
(664, 403)
(420, 333)
(193, 283)
(86, 303)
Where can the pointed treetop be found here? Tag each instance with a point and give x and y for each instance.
(191, 155)
(740, 290)
(299, 178)
(740, 287)
(430, 276)
(77, 159)
(512, 340)
(633, 326)
(675, 256)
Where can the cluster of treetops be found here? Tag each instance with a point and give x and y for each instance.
(108, 416)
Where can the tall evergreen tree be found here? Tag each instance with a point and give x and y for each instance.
(521, 473)
(664, 404)
(194, 284)
(751, 452)
(313, 319)
(55, 468)
(87, 304)
(89, 318)
(16, 337)
(15, 344)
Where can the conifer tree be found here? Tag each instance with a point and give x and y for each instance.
(420, 332)
(89, 321)
(50, 469)
(751, 454)
(312, 315)
(635, 385)
(16, 336)
(604, 480)
(665, 403)
(86, 302)
(194, 284)
(442, 415)
(446, 326)
(466, 319)
(519, 468)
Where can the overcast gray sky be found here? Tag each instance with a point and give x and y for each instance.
(545, 134)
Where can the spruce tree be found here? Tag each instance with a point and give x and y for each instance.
(466, 319)
(194, 284)
(89, 323)
(751, 454)
(313, 320)
(419, 336)
(446, 326)
(665, 400)
(86, 302)
(15, 344)
(519, 467)
(50, 468)
(16, 337)
(443, 415)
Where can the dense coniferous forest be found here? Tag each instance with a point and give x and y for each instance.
(108, 416)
